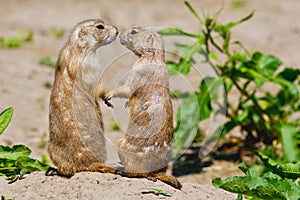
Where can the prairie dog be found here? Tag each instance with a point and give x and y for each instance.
(145, 151)
(77, 140)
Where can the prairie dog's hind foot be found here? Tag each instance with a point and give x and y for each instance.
(107, 103)
(52, 172)
(170, 180)
(101, 167)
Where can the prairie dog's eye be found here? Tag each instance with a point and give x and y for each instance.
(133, 32)
(100, 26)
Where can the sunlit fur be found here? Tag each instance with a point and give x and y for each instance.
(76, 128)
(145, 151)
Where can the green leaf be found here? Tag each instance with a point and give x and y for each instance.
(157, 192)
(16, 177)
(259, 79)
(185, 48)
(194, 12)
(268, 162)
(289, 170)
(228, 126)
(25, 37)
(13, 153)
(5, 118)
(286, 170)
(187, 123)
(14, 161)
(252, 74)
(223, 29)
(172, 68)
(269, 186)
(10, 42)
(242, 166)
(209, 94)
(213, 56)
(289, 74)
(266, 64)
(260, 68)
(286, 84)
(204, 101)
(185, 61)
(288, 133)
(16, 41)
(228, 84)
(176, 31)
(47, 61)
(30, 164)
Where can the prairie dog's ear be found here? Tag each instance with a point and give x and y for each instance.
(149, 39)
(82, 32)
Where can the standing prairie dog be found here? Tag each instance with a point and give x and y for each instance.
(145, 151)
(77, 140)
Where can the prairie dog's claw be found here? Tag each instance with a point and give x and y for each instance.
(51, 172)
(106, 97)
(126, 104)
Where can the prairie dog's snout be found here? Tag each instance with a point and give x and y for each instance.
(112, 33)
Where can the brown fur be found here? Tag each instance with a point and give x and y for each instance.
(76, 128)
(146, 148)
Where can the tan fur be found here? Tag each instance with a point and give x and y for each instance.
(145, 150)
(76, 128)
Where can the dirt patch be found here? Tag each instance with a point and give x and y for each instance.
(101, 186)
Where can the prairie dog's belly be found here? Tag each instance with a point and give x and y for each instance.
(137, 159)
(147, 145)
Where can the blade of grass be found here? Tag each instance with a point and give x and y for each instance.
(194, 12)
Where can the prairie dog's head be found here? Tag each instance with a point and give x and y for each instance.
(142, 41)
(91, 34)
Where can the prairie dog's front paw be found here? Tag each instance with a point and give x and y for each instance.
(106, 97)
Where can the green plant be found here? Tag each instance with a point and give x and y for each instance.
(47, 61)
(57, 33)
(45, 159)
(285, 170)
(4, 198)
(16, 41)
(48, 84)
(115, 126)
(157, 192)
(5, 118)
(262, 115)
(15, 161)
(43, 140)
(271, 184)
(238, 4)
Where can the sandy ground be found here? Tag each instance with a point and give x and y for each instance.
(274, 29)
(102, 186)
